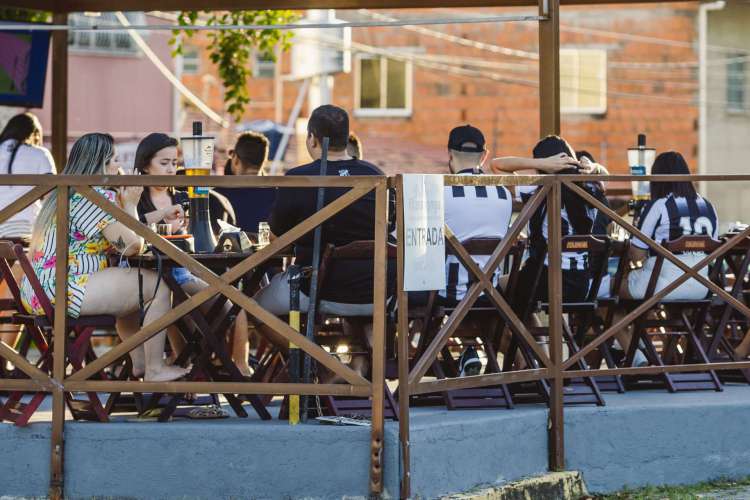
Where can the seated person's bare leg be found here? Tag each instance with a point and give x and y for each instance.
(176, 341)
(101, 297)
(241, 344)
(238, 333)
(743, 348)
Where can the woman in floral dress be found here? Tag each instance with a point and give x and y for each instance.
(93, 287)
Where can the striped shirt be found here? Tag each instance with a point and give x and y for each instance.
(582, 224)
(473, 212)
(87, 253)
(666, 219)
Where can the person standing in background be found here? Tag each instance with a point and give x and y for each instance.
(21, 152)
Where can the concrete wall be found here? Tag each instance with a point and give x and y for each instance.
(124, 95)
(656, 438)
(728, 131)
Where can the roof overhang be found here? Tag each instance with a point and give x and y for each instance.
(173, 5)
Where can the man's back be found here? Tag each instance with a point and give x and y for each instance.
(348, 281)
(473, 212)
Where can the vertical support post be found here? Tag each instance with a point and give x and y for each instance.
(378, 332)
(403, 347)
(60, 92)
(554, 242)
(549, 68)
(56, 486)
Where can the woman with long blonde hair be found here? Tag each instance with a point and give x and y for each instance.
(93, 287)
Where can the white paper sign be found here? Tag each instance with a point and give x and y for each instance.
(424, 241)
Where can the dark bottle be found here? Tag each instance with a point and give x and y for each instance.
(200, 215)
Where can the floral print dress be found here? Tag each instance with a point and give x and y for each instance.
(87, 254)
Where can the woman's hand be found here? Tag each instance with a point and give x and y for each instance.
(559, 162)
(130, 195)
(175, 217)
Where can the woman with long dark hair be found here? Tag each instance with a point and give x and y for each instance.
(157, 154)
(93, 287)
(675, 209)
(21, 152)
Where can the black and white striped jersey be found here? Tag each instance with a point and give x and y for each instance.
(576, 218)
(473, 212)
(666, 219)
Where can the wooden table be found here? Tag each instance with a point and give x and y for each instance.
(210, 327)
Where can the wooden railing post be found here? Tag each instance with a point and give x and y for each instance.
(56, 486)
(378, 333)
(549, 68)
(403, 347)
(554, 242)
(60, 92)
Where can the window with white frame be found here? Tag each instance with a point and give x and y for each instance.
(191, 61)
(264, 65)
(108, 42)
(736, 83)
(583, 81)
(383, 86)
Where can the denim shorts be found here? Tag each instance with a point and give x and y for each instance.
(182, 275)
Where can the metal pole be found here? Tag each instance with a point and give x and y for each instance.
(403, 348)
(311, 309)
(549, 67)
(60, 93)
(554, 242)
(294, 285)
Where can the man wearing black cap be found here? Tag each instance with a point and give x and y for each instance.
(471, 212)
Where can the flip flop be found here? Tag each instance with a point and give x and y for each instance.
(207, 413)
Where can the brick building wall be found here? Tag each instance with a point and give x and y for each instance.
(658, 98)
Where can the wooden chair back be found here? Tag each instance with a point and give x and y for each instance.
(36, 285)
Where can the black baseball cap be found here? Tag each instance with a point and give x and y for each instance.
(460, 136)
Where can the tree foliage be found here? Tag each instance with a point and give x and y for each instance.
(24, 15)
(232, 50)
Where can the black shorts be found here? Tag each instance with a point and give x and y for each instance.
(575, 286)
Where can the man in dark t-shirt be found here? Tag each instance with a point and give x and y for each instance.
(348, 285)
(251, 205)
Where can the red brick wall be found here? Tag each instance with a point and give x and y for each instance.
(508, 112)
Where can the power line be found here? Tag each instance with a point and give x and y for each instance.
(498, 49)
(138, 39)
(628, 36)
(489, 47)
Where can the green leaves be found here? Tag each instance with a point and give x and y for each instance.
(24, 15)
(232, 49)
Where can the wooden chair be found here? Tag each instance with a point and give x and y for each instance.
(78, 344)
(482, 328)
(675, 321)
(339, 405)
(581, 314)
(727, 326)
(606, 308)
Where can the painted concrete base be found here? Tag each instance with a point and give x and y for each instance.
(638, 438)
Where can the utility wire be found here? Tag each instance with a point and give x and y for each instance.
(138, 39)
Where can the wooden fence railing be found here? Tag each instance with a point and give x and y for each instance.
(553, 366)
(59, 382)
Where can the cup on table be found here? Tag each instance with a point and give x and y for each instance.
(264, 234)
